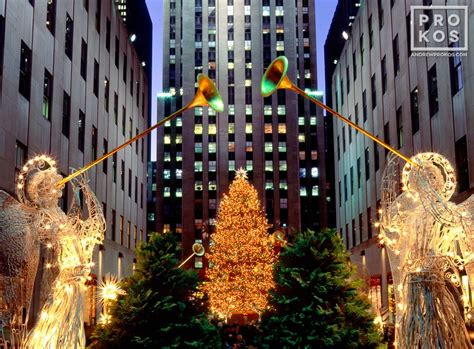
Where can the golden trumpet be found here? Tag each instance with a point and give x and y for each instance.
(275, 78)
(198, 250)
(207, 95)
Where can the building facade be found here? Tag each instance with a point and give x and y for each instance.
(278, 140)
(413, 103)
(73, 86)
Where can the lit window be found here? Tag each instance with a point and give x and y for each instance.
(212, 185)
(280, 46)
(167, 156)
(314, 155)
(281, 110)
(212, 129)
(179, 173)
(248, 109)
(283, 166)
(315, 191)
(212, 147)
(267, 110)
(212, 166)
(179, 122)
(248, 147)
(302, 155)
(230, 10)
(167, 139)
(198, 129)
(301, 138)
(230, 45)
(283, 184)
(302, 173)
(197, 112)
(198, 186)
(301, 121)
(282, 128)
(231, 165)
(312, 120)
(197, 166)
(179, 139)
(266, 11)
(269, 184)
(179, 192)
(248, 45)
(168, 124)
(248, 128)
(179, 156)
(268, 147)
(314, 172)
(230, 65)
(231, 146)
(268, 128)
(281, 147)
(248, 82)
(167, 192)
(249, 165)
(231, 109)
(231, 128)
(198, 148)
(167, 174)
(269, 165)
(247, 10)
(279, 11)
(283, 202)
(302, 191)
(307, 74)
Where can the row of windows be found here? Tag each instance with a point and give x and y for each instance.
(122, 237)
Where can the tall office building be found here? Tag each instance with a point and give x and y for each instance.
(414, 103)
(73, 86)
(278, 140)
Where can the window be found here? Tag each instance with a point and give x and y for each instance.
(380, 11)
(364, 106)
(348, 80)
(456, 72)
(117, 51)
(47, 94)
(131, 81)
(113, 227)
(136, 189)
(20, 155)
(51, 16)
(129, 183)
(114, 167)
(462, 164)
(386, 133)
(415, 116)
(369, 222)
(81, 130)
(97, 15)
(396, 56)
(433, 90)
(122, 175)
(106, 94)
(124, 69)
(69, 37)
(94, 142)
(122, 223)
(107, 35)
(25, 71)
(371, 34)
(400, 127)
(359, 173)
(361, 44)
(124, 120)
(105, 162)
(384, 75)
(354, 65)
(374, 92)
(115, 108)
(66, 114)
(367, 164)
(84, 59)
(96, 78)
(376, 156)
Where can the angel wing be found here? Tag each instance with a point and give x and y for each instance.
(19, 255)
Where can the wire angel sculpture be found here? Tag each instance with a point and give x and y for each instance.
(36, 219)
(427, 238)
(61, 321)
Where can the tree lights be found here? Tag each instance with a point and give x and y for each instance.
(241, 257)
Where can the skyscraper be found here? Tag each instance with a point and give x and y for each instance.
(73, 86)
(278, 140)
(414, 103)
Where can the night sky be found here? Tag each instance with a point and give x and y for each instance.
(324, 12)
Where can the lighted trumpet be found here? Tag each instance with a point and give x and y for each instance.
(207, 95)
(275, 78)
(198, 250)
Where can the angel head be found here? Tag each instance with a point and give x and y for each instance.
(36, 184)
(433, 173)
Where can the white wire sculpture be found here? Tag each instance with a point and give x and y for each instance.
(428, 242)
(36, 219)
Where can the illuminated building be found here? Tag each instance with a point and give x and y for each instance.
(416, 104)
(73, 86)
(279, 140)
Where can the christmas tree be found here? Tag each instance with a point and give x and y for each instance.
(159, 307)
(316, 303)
(241, 258)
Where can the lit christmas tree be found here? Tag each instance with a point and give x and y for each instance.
(241, 257)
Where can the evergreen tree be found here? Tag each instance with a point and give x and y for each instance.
(316, 304)
(159, 309)
(241, 257)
